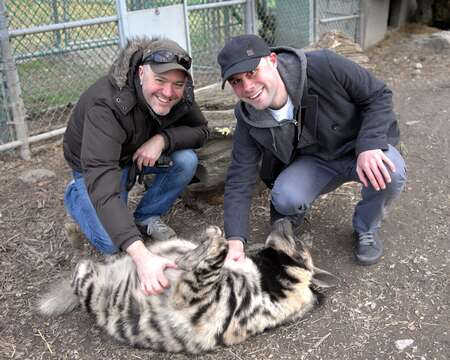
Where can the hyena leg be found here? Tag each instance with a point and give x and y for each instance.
(83, 282)
(204, 271)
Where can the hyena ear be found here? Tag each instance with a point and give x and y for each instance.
(322, 279)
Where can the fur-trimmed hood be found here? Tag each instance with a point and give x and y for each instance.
(124, 68)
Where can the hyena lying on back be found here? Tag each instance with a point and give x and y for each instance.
(208, 304)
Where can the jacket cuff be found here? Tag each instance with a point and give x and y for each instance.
(166, 141)
(127, 243)
(370, 144)
(237, 238)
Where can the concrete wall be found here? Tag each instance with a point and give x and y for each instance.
(375, 21)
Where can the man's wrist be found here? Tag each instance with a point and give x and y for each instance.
(241, 239)
(162, 140)
(137, 249)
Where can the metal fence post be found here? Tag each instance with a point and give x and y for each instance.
(187, 32)
(121, 6)
(316, 16)
(250, 17)
(13, 86)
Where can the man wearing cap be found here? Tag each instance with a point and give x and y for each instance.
(308, 122)
(122, 125)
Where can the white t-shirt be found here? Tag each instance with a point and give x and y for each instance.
(285, 113)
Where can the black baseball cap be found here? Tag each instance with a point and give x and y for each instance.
(241, 54)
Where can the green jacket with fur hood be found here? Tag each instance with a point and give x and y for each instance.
(110, 122)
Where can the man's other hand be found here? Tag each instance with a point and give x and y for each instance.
(371, 168)
(149, 152)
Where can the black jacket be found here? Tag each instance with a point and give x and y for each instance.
(109, 123)
(340, 108)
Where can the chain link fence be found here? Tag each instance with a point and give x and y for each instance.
(285, 22)
(339, 15)
(209, 29)
(60, 47)
(54, 67)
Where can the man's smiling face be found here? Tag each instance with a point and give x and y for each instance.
(162, 91)
(261, 88)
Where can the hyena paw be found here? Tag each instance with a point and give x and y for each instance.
(213, 231)
(217, 242)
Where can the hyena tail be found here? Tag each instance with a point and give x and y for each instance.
(60, 299)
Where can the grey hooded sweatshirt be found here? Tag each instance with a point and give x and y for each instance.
(340, 109)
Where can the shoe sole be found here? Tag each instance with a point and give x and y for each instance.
(365, 262)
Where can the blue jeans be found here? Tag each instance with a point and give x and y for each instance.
(308, 177)
(167, 185)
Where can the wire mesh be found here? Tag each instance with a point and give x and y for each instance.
(284, 22)
(209, 30)
(329, 9)
(54, 67)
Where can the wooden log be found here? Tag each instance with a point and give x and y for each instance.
(214, 98)
(214, 159)
(221, 121)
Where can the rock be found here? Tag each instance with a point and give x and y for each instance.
(418, 66)
(34, 175)
(410, 123)
(403, 344)
(439, 42)
(214, 160)
(416, 72)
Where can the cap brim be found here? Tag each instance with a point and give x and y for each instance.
(162, 68)
(240, 67)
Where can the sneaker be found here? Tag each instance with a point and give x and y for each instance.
(367, 248)
(296, 220)
(157, 229)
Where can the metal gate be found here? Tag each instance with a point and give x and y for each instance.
(338, 15)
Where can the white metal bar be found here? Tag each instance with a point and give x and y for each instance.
(62, 26)
(188, 34)
(215, 5)
(339, 18)
(316, 21)
(32, 139)
(250, 17)
(122, 19)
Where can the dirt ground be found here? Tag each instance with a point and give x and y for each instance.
(404, 297)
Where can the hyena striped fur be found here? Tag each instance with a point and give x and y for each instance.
(208, 304)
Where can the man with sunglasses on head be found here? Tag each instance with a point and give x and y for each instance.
(141, 113)
(308, 122)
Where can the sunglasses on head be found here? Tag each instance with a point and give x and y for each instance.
(165, 56)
